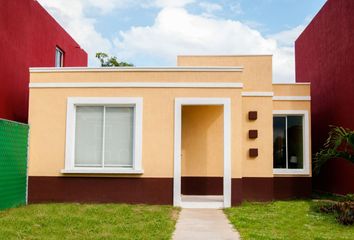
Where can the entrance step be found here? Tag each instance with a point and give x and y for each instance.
(202, 202)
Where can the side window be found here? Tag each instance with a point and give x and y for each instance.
(288, 142)
(59, 57)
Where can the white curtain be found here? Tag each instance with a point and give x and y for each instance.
(119, 136)
(88, 136)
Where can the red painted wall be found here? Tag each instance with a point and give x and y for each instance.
(28, 38)
(324, 55)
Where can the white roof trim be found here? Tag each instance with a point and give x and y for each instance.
(292, 98)
(137, 85)
(296, 83)
(257, 94)
(137, 69)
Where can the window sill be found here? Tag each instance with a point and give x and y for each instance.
(102, 171)
(291, 171)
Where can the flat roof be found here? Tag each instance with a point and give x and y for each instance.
(292, 83)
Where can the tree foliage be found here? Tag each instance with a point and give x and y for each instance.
(108, 61)
(339, 144)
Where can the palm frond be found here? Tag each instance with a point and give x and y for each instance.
(351, 140)
(339, 138)
(336, 136)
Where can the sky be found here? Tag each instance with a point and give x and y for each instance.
(154, 32)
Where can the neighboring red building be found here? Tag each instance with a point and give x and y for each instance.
(29, 37)
(325, 57)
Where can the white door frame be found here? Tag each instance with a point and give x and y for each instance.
(226, 103)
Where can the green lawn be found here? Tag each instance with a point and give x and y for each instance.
(286, 220)
(88, 221)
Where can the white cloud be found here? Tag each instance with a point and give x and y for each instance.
(175, 31)
(171, 3)
(288, 37)
(70, 15)
(210, 7)
(284, 56)
(236, 8)
(284, 65)
(106, 5)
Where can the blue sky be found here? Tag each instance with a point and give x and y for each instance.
(153, 32)
(268, 16)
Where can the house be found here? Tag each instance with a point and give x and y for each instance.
(325, 58)
(213, 131)
(29, 37)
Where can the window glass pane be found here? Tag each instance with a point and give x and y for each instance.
(295, 142)
(88, 136)
(119, 136)
(279, 144)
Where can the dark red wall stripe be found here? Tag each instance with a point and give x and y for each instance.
(160, 190)
(102, 190)
(202, 185)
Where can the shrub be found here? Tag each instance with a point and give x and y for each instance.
(345, 211)
(323, 206)
(349, 197)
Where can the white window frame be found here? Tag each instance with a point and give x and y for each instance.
(306, 142)
(72, 103)
(57, 49)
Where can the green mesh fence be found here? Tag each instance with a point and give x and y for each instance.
(13, 163)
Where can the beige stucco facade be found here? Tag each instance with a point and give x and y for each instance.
(202, 126)
(48, 107)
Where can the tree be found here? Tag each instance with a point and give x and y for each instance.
(340, 144)
(108, 61)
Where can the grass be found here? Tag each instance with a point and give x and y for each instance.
(286, 220)
(88, 221)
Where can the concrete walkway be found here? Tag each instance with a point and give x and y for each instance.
(204, 224)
